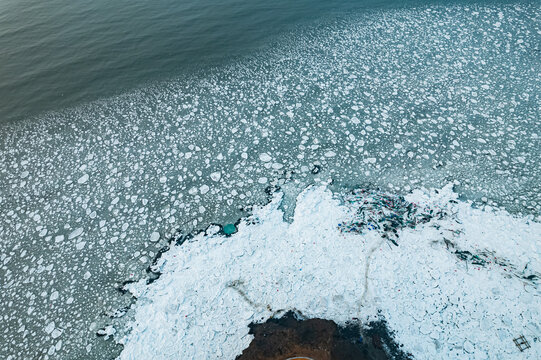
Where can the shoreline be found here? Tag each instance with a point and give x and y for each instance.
(189, 284)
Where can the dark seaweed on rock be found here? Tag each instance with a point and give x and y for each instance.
(488, 258)
(385, 213)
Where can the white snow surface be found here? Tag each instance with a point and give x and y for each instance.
(438, 307)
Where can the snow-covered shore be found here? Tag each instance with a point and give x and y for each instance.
(439, 305)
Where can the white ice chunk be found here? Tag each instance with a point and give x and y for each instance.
(83, 179)
(216, 176)
(50, 327)
(75, 233)
(155, 236)
(265, 157)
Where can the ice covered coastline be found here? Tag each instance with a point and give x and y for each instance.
(398, 99)
(439, 305)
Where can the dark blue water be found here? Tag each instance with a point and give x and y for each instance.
(60, 53)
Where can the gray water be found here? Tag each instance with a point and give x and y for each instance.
(60, 53)
(396, 98)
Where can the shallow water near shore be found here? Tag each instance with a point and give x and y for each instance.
(396, 99)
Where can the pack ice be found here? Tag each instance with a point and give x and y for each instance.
(440, 303)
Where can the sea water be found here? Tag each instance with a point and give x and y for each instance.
(390, 98)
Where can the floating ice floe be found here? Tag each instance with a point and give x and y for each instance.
(439, 305)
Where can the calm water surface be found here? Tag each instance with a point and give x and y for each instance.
(59, 53)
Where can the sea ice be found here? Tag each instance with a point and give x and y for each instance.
(213, 286)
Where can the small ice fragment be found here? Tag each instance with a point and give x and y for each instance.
(265, 157)
(75, 233)
(212, 229)
(216, 176)
(56, 333)
(107, 331)
(83, 179)
(50, 327)
(155, 236)
(204, 189)
(330, 153)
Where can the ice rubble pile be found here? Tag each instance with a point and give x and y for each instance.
(387, 214)
(438, 306)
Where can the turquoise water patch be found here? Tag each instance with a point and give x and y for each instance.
(230, 229)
